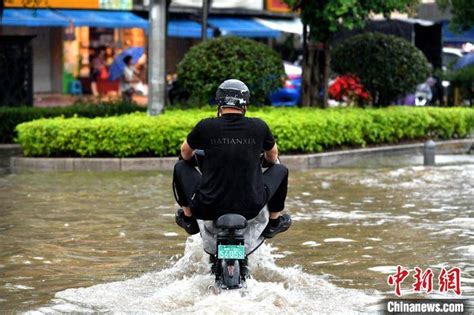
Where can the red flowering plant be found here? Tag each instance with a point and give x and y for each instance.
(348, 89)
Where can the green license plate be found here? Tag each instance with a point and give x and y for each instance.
(231, 251)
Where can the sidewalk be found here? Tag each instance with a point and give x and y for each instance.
(62, 100)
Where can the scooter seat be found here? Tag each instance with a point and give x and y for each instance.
(231, 221)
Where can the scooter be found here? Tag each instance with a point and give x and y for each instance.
(229, 265)
(229, 241)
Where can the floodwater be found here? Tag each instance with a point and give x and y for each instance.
(81, 242)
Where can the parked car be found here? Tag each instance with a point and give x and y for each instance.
(290, 93)
(450, 56)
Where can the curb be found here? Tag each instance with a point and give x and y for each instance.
(354, 157)
(293, 162)
(6, 152)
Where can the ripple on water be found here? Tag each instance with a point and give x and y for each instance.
(16, 287)
(323, 262)
(170, 234)
(338, 239)
(320, 201)
(182, 288)
(375, 239)
(384, 269)
(311, 244)
(461, 222)
(466, 250)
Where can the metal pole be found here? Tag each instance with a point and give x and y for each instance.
(205, 13)
(429, 153)
(156, 57)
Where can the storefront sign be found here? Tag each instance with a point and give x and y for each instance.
(222, 4)
(63, 4)
(116, 4)
(72, 4)
(277, 6)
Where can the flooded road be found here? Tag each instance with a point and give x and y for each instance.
(108, 242)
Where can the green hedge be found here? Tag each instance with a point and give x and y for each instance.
(10, 117)
(297, 130)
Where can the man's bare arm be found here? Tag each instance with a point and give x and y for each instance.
(186, 151)
(272, 155)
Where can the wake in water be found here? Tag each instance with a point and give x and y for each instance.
(183, 288)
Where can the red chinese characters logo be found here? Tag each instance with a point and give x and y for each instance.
(423, 280)
(448, 280)
(397, 279)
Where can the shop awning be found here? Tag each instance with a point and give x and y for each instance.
(242, 27)
(32, 18)
(186, 28)
(106, 19)
(450, 37)
(293, 26)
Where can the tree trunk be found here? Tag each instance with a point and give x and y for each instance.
(316, 68)
(311, 81)
(316, 71)
(306, 74)
(325, 76)
(2, 8)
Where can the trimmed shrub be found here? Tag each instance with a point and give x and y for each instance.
(208, 64)
(388, 66)
(297, 130)
(464, 79)
(10, 117)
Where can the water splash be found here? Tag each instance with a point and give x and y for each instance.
(182, 288)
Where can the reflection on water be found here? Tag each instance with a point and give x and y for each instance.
(113, 235)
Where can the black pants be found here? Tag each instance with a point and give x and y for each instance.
(275, 180)
(127, 96)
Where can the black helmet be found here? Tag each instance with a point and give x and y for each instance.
(232, 93)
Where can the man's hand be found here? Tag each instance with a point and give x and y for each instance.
(186, 151)
(272, 155)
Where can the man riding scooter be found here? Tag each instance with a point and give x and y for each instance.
(231, 179)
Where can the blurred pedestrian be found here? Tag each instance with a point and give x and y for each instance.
(129, 77)
(98, 67)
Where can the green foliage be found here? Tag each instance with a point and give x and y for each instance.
(12, 116)
(464, 79)
(388, 66)
(325, 17)
(462, 11)
(463, 75)
(208, 64)
(296, 130)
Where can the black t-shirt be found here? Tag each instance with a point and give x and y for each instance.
(231, 173)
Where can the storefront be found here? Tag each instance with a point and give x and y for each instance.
(70, 35)
(45, 28)
(92, 42)
(67, 35)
